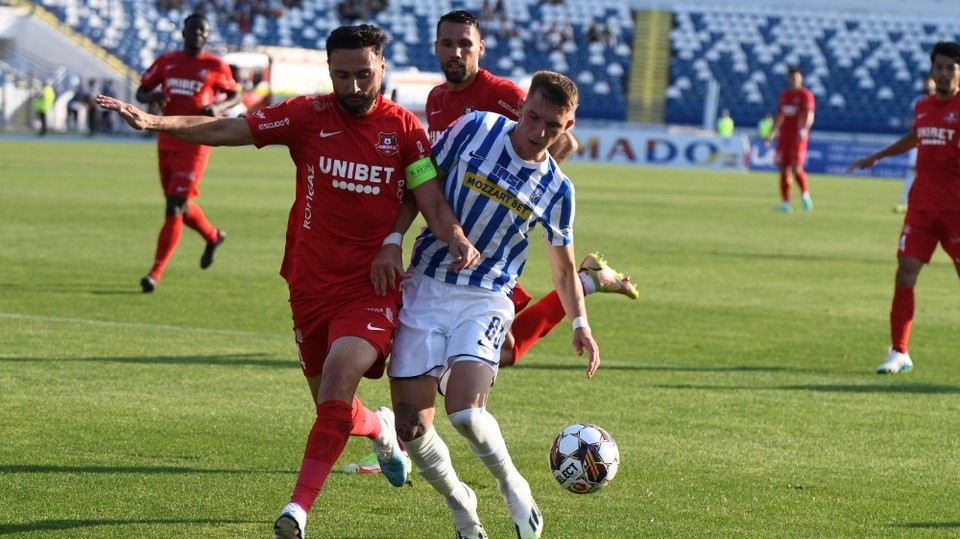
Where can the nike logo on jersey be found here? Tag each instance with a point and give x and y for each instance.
(325, 134)
(921, 115)
(435, 112)
(477, 156)
(371, 327)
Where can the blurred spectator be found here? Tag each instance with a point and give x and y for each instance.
(90, 100)
(74, 105)
(765, 126)
(725, 124)
(106, 116)
(593, 33)
(43, 98)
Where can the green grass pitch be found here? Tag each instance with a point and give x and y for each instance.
(740, 387)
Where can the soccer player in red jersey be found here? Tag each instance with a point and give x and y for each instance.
(357, 155)
(792, 129)
(933, 211)
(458, 48)
(189, 82)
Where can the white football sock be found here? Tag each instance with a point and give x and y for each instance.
(432, 458)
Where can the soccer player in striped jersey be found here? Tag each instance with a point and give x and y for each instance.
(501, 181)
(358, 156)
(458, 47)
(189, 82)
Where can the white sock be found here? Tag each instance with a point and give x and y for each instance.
(482, 433)
(432, 458)
(589, 287)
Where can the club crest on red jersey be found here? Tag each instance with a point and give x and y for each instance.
(387, 143)
(950, 118)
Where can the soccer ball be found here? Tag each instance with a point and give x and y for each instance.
(584, 458)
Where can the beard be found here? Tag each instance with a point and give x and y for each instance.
(357, 104)
(454, 75)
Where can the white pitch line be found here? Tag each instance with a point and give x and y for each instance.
(135, 325)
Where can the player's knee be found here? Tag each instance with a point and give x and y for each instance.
(176, 206)
(410, 422)
(469, 423)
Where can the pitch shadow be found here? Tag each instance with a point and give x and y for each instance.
(233, 360)
(178, 470)
(918, 389)
(62, 525)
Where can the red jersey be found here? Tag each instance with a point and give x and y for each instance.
(190, 83)
(351, 179)
(794, 106)
(937, 126)
(487, 92)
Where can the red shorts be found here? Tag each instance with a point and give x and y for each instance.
(181, 171)
(791, 155)
(373, 319)
(922, 230)
(520, 298)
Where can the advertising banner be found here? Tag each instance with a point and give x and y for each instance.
(638, 147)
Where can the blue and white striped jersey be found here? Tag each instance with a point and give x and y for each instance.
(498, 198)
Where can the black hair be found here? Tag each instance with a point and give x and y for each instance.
(794, 69)
(949, 49)
(199, 17)
(459, 16)
(360, 36)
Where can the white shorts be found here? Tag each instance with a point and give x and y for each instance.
(442, 323)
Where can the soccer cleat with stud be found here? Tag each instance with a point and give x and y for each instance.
(807, 202)
(466, 520)
(148, 284)
(784, 207)
(206, 260)
(605, 278)
(393, 460)
(291, 523)
(895, 363)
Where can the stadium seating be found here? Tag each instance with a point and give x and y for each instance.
(136, 31)
(863, 69)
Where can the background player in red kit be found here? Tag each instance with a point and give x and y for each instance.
(189, 82)
(933, 211)
(458, 48)
(792, 129)
(357, 154)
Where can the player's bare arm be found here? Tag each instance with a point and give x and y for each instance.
(564, 147)
(193, 129)
(444, 224)
(231, 99)
(151, 97)
(563, 270)
(774, 131)
(904, 144)
(389, 261)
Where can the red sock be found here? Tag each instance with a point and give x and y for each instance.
(785, 184)
(166, 243)
(802, 180)
(195, 219)
(326, 441)
(901, 316)
(364, 422)
(534, 322)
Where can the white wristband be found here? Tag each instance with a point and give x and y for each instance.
(580, 322)
(393, 238)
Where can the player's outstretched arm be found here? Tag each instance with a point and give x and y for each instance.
(904, 144)
(563, 269)
(193, 129)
